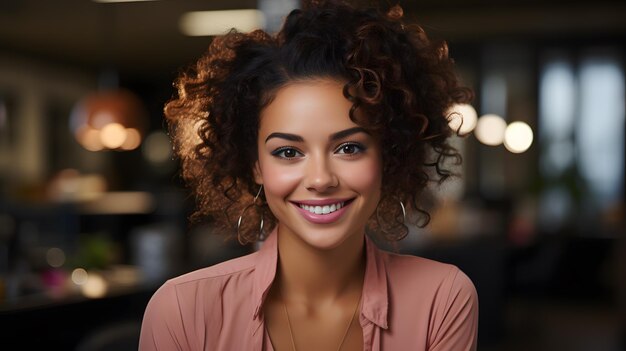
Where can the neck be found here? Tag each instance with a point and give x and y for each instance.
(312, 275)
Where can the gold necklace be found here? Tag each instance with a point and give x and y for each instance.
(293, 343)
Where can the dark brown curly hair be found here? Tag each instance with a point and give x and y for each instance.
(403, 82)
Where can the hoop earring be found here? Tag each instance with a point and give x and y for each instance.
(244, 211)
(401, 207)
(391, 228)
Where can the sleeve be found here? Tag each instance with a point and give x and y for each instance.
(162, 326)
(457, 315)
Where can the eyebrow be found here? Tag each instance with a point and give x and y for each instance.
(333, 137)
(286, 136)
(346, 133)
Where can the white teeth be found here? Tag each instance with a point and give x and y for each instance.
(322, 209)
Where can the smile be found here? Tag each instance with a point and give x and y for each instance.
(322, 211)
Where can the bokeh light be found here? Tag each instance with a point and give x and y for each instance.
(113, 135)
(490, 129)
(95, 286)
(79, 276)
(157, 148)
(89, 138)
(462, 118)
(109, 119)
(133, 139)
(55, 257)
(518, 137)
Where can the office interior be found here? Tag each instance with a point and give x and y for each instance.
(95, 217)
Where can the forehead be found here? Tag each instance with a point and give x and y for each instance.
(308, 107)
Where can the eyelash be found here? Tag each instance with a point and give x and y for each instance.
(361, 148)
(280, 150)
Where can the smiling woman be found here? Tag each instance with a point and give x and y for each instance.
(313, 157)
(307, 140)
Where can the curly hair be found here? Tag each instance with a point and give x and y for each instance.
(404, 82)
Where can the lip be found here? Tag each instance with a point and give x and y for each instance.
(322, 218)
(321, 202)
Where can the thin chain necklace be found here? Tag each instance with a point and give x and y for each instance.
(293, 342)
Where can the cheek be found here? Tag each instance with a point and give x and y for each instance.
(365, 177)
(279, 181)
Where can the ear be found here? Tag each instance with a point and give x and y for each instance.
(258, 176)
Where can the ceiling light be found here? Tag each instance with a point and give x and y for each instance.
(111, 119)
(113, 135)
(206, 23)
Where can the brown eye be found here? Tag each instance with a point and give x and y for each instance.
(350, 149)
(286, 152)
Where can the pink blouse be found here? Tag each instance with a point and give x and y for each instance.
(408, 303)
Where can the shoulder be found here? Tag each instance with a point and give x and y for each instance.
(186, 291)
(415, 267)
(181, 311)
(433, 278)
(220, 271)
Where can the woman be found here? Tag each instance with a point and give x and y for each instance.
(308, 139)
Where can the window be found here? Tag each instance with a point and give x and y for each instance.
(581, 129)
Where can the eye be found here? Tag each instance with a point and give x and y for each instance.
(286, 152)
(350, 148)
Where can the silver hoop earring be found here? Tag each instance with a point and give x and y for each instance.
(244, 211)
(403, 211)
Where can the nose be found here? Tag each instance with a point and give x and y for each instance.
(320, 176)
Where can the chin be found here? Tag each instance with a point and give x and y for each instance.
(325, 238)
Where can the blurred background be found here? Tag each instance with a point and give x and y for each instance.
(93, 214)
